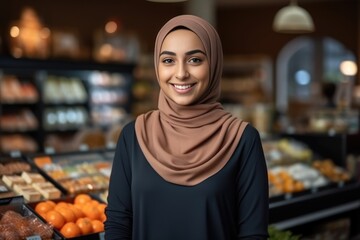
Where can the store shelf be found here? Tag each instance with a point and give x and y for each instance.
(64, 103)
(318, 206)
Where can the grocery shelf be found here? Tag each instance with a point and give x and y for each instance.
(329, 202)
(60, 94)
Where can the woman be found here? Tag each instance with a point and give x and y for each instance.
(189, 170)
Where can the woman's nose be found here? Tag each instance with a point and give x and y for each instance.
(181, 72)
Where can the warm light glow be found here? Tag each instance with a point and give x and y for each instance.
(111, 27)
(348, 68)
(106, 50)
(14, 31)
(29, 38)
(45, 33)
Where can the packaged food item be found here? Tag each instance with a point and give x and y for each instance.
(18, 221)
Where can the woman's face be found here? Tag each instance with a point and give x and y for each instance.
(183, 68)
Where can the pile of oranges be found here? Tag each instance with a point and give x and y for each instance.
(84, 215)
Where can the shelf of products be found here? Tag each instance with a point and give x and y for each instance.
(18, 177)
(46, 102)
(310, 182)
(74, 173)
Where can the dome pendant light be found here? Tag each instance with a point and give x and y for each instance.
(293, 19)
(166, 1)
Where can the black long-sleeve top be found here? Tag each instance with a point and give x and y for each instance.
(232, 204)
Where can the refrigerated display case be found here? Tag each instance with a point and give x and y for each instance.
(76, 172)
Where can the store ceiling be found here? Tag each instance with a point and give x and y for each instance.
(263, 2)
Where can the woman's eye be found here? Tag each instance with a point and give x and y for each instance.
(195, 60)
(167, 60)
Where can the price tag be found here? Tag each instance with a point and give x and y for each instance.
(102, 236)
(288, 196)
(15, 154)
(35, 237)
(49, 150)
(84, 148)
(314, 189)
(341, 184)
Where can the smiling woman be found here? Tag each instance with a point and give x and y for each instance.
(190, 169)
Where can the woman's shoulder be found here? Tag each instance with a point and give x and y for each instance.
(129, 125)
(250, 134)
(129, 128)
(250, 131)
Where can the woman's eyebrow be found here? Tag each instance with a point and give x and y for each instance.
(187, 53)
(195, 51)
(167, 53)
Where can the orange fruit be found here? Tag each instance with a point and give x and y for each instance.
(70, 230)
(61, 205)
(78, 212)
(82, 198)
(43, 207)
(91, 212)
(52, 203)
(85, 225)
(67, 213)
(94, 202)
(103, 217)
(101, 207)
(55, 219)
(98, 226)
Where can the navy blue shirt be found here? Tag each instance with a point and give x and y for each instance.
(232, 204)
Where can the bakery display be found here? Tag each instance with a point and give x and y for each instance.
(77, 173)
(18, 177)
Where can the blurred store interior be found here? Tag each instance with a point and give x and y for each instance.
(72, 73)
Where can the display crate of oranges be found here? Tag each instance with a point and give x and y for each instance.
(19, 221)
(79, 217)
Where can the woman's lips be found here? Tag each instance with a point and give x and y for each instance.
(183, 88)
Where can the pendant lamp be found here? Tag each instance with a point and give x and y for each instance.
(293, 19)
(166, 1)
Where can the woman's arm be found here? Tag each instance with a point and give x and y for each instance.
(253, 188)
(118, 224)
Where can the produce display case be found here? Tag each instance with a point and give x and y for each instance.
(329, 193)
(84, 212)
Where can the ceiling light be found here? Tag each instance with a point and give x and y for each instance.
(293, 19)
(166, 1)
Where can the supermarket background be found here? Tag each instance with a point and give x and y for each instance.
(72, 73)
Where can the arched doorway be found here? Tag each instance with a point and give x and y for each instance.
(303, 67)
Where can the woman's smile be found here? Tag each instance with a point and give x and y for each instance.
(183, 88)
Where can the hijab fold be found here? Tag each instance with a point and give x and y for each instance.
(186, 145)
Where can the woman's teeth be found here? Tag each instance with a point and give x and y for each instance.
(182, 87)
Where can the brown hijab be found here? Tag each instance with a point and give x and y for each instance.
(187, 144)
